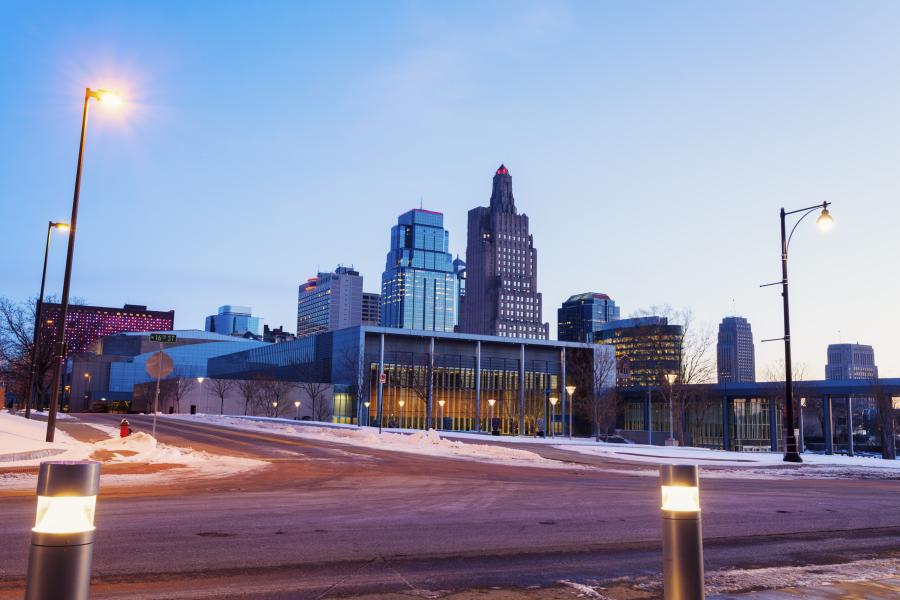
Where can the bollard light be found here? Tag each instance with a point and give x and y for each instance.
(59, 563)
(682, 533)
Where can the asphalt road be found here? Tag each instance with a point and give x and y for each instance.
(330, 520)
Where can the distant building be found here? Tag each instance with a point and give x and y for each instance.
(851, 361)
(371, 309)
(234, 320)
(329, 301)
(581, 316)
(735, 358)
(459, 269)
(646, 349)
(277, 335)
(419, 289)
(87, 324)
(501, 270)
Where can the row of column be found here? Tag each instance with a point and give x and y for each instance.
(774, 433)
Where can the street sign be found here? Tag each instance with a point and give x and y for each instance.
(383, 378)
(163, 337)
(159, 365)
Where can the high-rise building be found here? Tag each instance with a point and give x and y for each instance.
(330, 301)
(234, 320)
(501, 269)
(646, 349)
(87, 324)
(581, 316)
(371, 309)
(459, 268)
(735, 359)
(418, 287)
(851, 361)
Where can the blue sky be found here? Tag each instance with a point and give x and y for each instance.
(651, 144)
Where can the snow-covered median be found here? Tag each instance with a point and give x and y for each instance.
(749, 465)
(22, 444)
(428, 443)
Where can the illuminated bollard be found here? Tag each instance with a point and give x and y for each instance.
(681, 532)
(62, 540)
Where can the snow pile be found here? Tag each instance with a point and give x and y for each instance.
(23, 439)
(428, 443)
(737, 580)
(747, 465)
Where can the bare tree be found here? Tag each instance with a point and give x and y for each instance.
(887, 421)
(774, 372)
(351, 362)
(16, 345)
(250, 390)
(181, 386)
(275, 392)
(221, 388)
(307, 377)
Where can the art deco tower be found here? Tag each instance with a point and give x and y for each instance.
(501, 270)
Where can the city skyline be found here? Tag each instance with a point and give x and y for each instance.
(720, 170)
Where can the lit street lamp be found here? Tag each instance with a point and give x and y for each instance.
(275, 407)
(570, 389)
(825, 222)
(441, 404)
(682, 534)
(111, 99)
(367, 404)
(670, 378)
(38, 318)
(491, 402)
(400, 404)
(553, 401)
(297, 406)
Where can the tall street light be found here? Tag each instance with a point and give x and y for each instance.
(112, 99)
(670, 378)
(441, 404)
(297, 406)
(492, 401)
(570, 389)
(553, 401)
(825, 222)
(38, 318)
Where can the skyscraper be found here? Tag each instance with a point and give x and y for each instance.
(234, 320)
(419, 289)
(329, 301)
(851, 361)
(501, 269)
(581, 316)
(735, 359)
(371, 309)
(87, 324)
(647, 348)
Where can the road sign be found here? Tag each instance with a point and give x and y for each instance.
(383, 378)
(163, 337)
(159, 365)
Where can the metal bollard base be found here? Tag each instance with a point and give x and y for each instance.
(59, 572)
(682, 556)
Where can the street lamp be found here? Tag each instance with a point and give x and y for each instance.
(36, 338)
(825, 222)
(297, 406)
(367, 404)
(441, 404)
(570, 389)
(275, 407)
(670, 378)
(492, 401)
(111, 99)
(553, 401)
(400, 404)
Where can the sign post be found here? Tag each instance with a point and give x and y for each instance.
(159, 365)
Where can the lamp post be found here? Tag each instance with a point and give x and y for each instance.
(681, 532)
(200, 382)
(441, 404)
(553, 401)
(275, 407)
(62, 540)
(367, 404)
(400, 411)
(297, 406)
(670, 379)
(38, 318)
(111, 99)
(491, 402)
(570, 389)
(825, 222)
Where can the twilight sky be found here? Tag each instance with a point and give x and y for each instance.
(651, 144)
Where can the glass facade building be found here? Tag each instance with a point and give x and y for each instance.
(419, 289)
(234, 320)
(646, 349)
(581, 316)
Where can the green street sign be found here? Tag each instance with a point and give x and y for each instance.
(162, 337)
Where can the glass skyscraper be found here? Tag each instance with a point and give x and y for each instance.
(419, 289)
(581, 316)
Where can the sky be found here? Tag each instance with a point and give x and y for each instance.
(652, 145)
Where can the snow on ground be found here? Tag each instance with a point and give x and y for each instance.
(746, 465)
(417, 442)
(22, 445)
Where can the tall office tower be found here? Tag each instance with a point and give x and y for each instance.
(87, 324)
(851, 361)
(735, 359)
(501, 270)
(646, 349)
(234, 320)
(581, 316)
(371, 309)
(329, 301)
(418, 287)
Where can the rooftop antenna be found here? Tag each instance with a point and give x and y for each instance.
(421, 201)
(733, 308)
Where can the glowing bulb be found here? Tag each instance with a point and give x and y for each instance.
(680, 498)
(200, 380)
(491, 401)
(61, 226)
(553, 401)
(65, 514)
(296, 404)
(570, 389)
(825, 220)
(109, 98)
